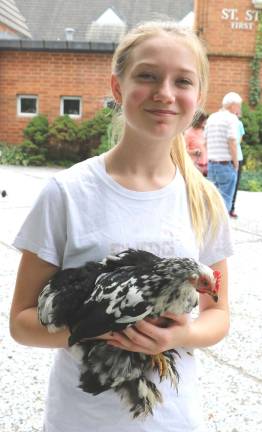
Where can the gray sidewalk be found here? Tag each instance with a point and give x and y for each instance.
(230, 372)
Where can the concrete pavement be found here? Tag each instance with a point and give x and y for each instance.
(230, 372)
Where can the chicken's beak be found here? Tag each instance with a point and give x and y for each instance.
(212, 294)
(214, 297)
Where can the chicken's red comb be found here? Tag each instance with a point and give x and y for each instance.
(217, 276)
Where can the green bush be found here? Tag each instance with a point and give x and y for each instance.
(24, 154)
(105, 145)
(251, 181)
(33, 150)
(63, 140)
(12, 155)
(258, 114)
(37, 130)
(94, 134)
(33, 154)
(252, 140)
(251, 126)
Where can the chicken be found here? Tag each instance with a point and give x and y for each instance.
(111, 295)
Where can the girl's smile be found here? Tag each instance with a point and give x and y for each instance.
(161, 112)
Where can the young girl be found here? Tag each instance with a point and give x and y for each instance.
(144, 193)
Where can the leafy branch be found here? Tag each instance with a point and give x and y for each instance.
(255, 88)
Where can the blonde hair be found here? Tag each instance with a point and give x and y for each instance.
(205, 202)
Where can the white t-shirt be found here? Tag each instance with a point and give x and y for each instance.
(82, 215)
(220, 127)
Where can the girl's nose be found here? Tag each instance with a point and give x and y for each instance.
(165, 93)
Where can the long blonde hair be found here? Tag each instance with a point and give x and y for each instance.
(205, 202)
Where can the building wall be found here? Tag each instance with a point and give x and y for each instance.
(50, 76)
(228, 28)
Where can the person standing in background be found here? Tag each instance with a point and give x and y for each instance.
(195, 142)
(241, 133)
(221, 135)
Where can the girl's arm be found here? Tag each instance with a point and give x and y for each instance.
(209, 328)
(33, 274)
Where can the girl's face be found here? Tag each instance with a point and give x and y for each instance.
(159, 91)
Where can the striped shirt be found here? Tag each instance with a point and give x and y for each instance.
(220, 127)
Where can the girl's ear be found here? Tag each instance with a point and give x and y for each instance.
(116, 89)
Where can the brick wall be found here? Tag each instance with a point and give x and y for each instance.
(228, 28)
(50, 76)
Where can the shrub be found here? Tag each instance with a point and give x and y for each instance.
(34, 148)
(258, 114)
(251, 181)
(93, 134)
(33, 155)
(105, 144)
(251, 126)
(63, 139)
(252, 140)
(24, 154)
(11, 155)
(37, 130)
(64, 142)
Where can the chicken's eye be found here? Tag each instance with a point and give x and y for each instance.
(205, 282)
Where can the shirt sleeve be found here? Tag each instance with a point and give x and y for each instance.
(218, 246)
(44, 230)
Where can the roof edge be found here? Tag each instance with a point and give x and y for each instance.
(28, 45)
(229, 54)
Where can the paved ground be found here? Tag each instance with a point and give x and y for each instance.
(230, 372)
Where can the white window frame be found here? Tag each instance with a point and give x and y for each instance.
(78, 98)
(18, 105)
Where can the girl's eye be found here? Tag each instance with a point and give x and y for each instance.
(182, 82)
(146, 76)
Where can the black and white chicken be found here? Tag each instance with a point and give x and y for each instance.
(111, 295)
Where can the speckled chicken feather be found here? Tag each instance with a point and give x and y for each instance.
(109, 296)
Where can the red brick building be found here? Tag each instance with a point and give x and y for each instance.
(229, 29)
(56, 60)
(47, 78)
(55, 57)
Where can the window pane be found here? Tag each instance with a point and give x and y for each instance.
(28, 105)
(72, 106)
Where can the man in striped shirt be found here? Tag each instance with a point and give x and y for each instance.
(221, 133)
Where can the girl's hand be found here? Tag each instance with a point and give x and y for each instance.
(154, 336)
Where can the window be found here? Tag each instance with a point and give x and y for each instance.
(27, 105)
(71, 105)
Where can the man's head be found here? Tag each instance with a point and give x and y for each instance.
(232, 102)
